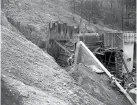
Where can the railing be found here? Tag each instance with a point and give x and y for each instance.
(129, 37)
(119, 38)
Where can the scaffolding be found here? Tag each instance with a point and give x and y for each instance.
(85, 56)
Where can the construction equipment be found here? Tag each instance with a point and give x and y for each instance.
(66, 41)
(107, 47)
(63, 39)
(93, 60)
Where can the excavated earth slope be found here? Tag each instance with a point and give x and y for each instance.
(32, 77)
(29, 75)
(31, 17)
(98, 85)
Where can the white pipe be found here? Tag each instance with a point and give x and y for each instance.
(96, 60)
(108, 73)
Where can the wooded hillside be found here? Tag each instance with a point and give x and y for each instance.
(117, 14)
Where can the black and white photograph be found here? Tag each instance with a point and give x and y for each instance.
(68, 52)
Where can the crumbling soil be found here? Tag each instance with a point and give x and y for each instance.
(32, 17)
(98, 85)
(15, 92)
(25, 63)
(31, 76)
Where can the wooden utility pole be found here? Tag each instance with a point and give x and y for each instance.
(111, 4)
(81, 8)
(74, 4)
(76, 56)
(122, 13)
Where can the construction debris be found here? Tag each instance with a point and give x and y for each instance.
(31, 76)
(98, 64)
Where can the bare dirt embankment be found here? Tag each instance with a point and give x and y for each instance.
(29, 75)
(98, 85)
(32, 76)
(31, 17)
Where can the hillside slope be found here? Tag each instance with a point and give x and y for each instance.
(29, 75)
(31, 17)
(32, 77)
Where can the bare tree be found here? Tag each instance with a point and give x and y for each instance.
(74, 5)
